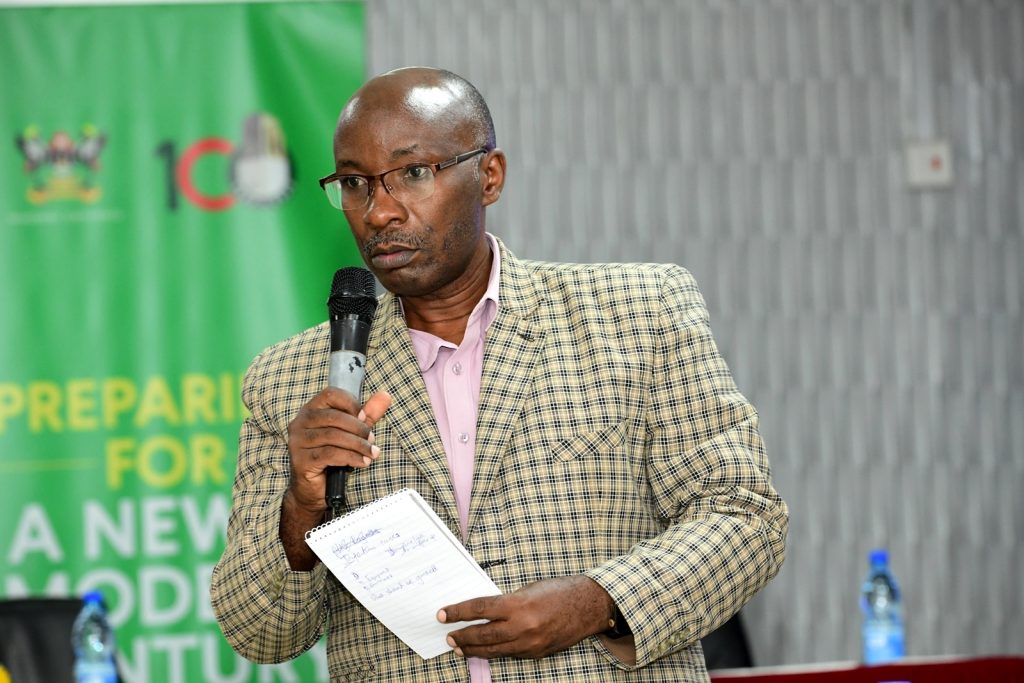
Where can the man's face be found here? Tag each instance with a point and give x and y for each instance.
(415, 248)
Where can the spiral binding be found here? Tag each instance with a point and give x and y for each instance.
(338, 521)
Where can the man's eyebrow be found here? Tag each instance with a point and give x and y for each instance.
(342, 163)
(395, 156)
(405, 151)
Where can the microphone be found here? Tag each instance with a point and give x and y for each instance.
(350, 310)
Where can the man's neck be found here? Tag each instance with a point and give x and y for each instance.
(445, 314)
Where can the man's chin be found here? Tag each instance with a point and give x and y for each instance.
(401, 281)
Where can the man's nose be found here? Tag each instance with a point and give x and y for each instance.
(383, 208)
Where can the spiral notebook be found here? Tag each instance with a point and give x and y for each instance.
(402, 563)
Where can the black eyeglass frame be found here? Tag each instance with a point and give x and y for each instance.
(371, 180)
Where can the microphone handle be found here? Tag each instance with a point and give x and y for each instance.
(349, 338)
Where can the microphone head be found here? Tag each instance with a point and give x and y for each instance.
(353, 291)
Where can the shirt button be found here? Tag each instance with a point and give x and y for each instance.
(457, 368)
(464, 437)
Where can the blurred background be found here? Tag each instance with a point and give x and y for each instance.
(845, 179)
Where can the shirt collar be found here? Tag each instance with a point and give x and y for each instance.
(487, 307)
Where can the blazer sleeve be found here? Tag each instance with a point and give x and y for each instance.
(268, 612)
(709, 481)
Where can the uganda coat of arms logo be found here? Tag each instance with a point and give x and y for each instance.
(62, 168)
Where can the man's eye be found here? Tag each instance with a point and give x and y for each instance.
(351, 182)
(417, 173)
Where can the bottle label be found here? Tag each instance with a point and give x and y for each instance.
(95, 672)
(883, 643)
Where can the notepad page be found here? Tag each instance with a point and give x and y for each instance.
(403, 564)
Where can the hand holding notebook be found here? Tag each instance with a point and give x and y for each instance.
(403, 564)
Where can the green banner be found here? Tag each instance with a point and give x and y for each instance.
(160, 223)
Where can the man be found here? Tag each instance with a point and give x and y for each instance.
(573, 424)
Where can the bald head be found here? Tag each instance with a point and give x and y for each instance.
(445, 102)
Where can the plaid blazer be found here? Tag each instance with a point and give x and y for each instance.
(611, 441)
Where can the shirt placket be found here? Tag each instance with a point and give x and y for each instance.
(461, 411)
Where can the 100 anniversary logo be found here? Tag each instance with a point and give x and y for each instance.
(260, 171)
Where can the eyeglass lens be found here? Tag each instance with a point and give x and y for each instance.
(408, 184)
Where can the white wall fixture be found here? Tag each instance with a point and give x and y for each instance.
(930, 165)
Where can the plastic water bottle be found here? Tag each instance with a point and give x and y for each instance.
(92, 639)
(883, 613)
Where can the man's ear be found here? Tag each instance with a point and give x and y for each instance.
(492, 176)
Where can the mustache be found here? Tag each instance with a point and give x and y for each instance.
(408, 239)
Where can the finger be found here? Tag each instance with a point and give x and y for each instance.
(333, 397)
(331, 456)
(490, 608)
(375, 407)
(328, 444)
(491, 640)
(489, 651)
(491, 633)
(309, 423)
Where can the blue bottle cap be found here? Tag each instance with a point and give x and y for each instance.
(879, 556)
(93, 597)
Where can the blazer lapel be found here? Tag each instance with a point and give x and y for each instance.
(392, 367)
(513, 344)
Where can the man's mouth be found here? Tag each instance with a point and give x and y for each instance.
(392, 256)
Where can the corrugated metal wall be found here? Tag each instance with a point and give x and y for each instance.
(878, 329)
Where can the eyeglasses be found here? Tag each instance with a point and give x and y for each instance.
(409, 183)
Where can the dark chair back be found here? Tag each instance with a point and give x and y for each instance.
(35, 639)
(727, 647)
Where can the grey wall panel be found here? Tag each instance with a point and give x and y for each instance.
(878, 329)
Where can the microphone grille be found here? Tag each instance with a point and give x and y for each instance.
(353, 290)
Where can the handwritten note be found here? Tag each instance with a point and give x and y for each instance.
(403, 564)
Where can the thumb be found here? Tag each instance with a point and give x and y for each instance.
(375, 407)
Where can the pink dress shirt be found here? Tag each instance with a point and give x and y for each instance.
(452, 375)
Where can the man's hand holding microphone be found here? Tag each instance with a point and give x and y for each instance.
(331, 434)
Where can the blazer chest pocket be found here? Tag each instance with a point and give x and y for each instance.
(600, 440)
